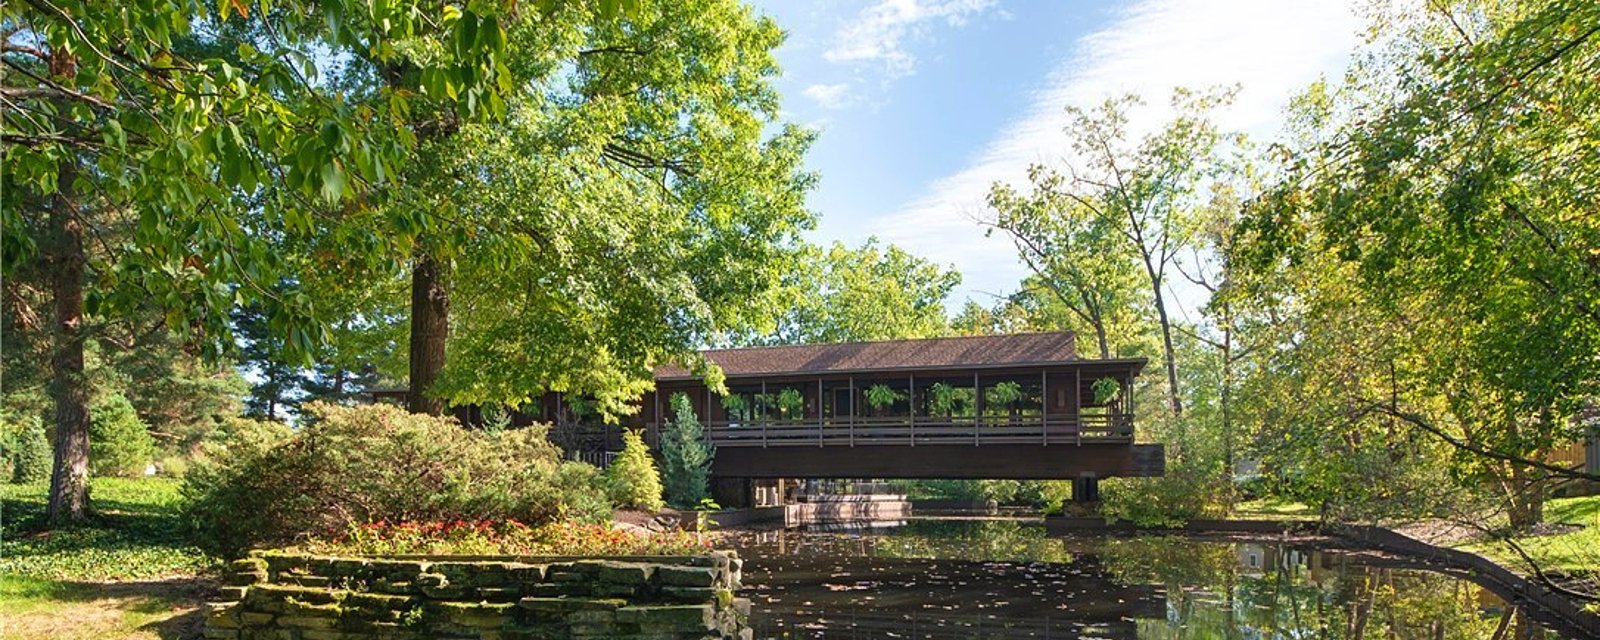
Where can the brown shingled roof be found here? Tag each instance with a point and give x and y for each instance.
(929, 353)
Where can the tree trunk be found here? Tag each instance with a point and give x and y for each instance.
(69, 479)
(1100, 336)
(1524, 498)
(1166, 341)
(430, 326)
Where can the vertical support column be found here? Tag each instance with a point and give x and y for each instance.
(977, 408)
(1085, 489)
(911, 407)
(1044, 406)
(852, 411)
(1077, 404)
(820, 434)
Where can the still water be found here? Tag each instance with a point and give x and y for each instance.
(1008, 579)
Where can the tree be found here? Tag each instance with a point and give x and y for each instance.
(874, 292)
(1450, 211)
(119, 442)
(685, 457)
(211, 139)
(1124, 197)
(1077, 254)
(635, 483)
(642, 198)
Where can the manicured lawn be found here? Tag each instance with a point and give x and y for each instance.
(128, 574)
(1575, 551)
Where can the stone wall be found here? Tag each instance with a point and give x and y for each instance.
(291, 596)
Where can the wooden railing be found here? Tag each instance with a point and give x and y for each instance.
(903, 431)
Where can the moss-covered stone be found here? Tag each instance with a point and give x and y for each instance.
(297, 597)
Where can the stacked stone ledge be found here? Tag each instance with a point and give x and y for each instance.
(294, 596)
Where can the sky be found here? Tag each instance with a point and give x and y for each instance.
(923, 104)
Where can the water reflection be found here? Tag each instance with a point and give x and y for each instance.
(1006, 579)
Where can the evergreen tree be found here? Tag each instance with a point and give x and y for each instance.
(635, 483)
(119, 442)
(686, 457)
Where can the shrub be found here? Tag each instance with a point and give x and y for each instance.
(635, 483)
(27, 451)
(119, 442)
(508, 537)
(377, 463)
(685, 457)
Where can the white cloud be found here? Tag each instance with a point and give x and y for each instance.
(877, 35)
(829, 96)
(1273, 48)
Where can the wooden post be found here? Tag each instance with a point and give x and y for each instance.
(1077, 405)
(911, 407)
(819, 411)
(1044, 406)
(977, 408)
(764, 409)
(852, 411)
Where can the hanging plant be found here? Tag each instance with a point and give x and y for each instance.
(735, 405)
(1004, 394)
(881, 396)
(790, 402)
(942, 399)
(1106, 390)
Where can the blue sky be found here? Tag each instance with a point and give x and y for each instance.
(922, 104)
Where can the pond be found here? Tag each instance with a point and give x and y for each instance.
(974, 580)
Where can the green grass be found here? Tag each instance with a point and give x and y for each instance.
(1575, 551)
(135, 535)
(1273, 509)
(129, 573)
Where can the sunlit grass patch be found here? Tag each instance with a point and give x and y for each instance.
(34, 608)
(1273, 509)
(1573, 552)
(135, 535)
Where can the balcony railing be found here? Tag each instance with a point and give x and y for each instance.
(903, 431)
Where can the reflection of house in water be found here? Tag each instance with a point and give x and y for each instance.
(1256, 560)
(809, 586)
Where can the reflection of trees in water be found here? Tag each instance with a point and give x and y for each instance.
(1213, 593)
(1147, 587)
(982, 541)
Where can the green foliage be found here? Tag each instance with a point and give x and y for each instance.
(1105, 390)
(1195, 485)
(119, 442)
(685, 457)
(789, 403)
(1002, 395)
(376, 463)
(644, 177)
(139, 536)
(1425, 265)
(882, 396)
(873, 292)
(27, 452)
(942, 399)
(634, 481)
(505, 538)
(230, 142)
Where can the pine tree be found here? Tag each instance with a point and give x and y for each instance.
(686, 457)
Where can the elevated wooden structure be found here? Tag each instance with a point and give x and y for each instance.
(1021, 406)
